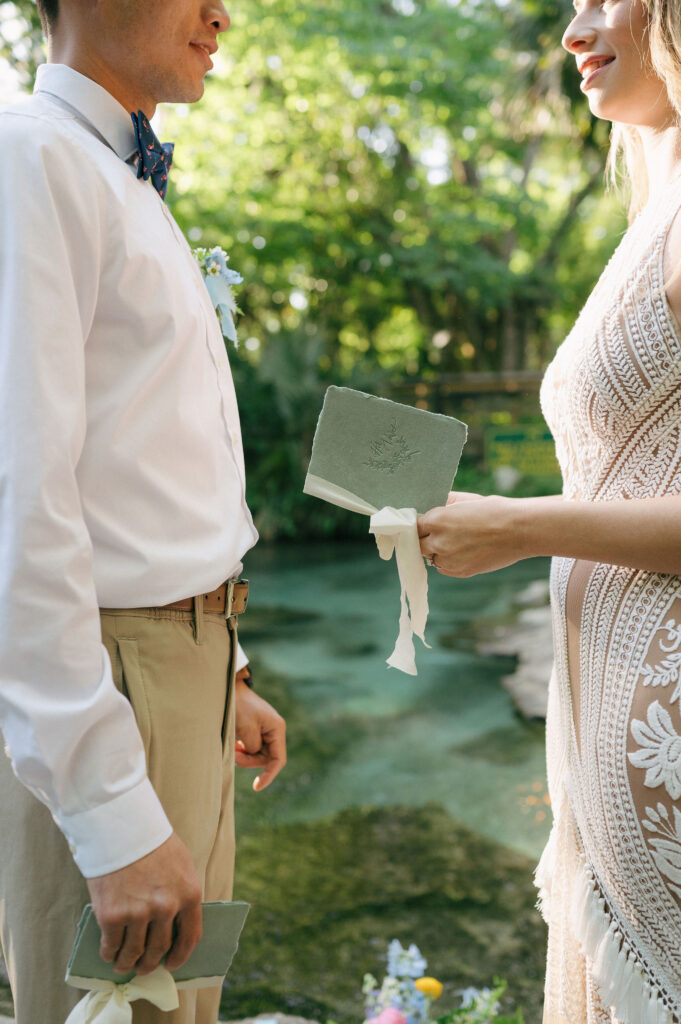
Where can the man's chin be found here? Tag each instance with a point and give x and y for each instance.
(185, 93)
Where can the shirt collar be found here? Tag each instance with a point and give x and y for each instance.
(92, 102)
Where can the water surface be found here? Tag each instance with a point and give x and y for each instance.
(325, 618)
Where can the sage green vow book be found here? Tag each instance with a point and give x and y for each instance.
(383, 452)
(208, 964)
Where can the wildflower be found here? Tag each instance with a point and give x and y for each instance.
(405, 963)
(391, 1015)
(219, 279)
(430, 987)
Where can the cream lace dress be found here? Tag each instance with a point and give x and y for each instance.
(610, 877)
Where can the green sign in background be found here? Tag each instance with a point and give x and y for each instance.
(528, 448)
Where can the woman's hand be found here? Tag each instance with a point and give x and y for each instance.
(471, 534)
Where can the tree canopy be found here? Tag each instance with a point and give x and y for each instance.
(409, 188)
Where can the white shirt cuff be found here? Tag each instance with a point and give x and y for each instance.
(241, 658)
(117, 833)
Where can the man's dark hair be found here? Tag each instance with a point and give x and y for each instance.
(48, 11)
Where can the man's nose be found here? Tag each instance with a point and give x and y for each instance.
(580, 34)
(215, 14)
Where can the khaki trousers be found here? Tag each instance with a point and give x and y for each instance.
(177, 670)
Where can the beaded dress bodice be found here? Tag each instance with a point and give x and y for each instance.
(610, 878)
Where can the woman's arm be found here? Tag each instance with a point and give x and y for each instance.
(474, 534)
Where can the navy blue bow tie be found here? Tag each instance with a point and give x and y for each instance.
(155, 157)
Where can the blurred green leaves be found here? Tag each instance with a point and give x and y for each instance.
(409, 188)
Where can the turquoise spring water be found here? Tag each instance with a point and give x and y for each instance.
(325, 618)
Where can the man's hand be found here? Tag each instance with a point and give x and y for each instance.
(137, 906)
(260, 734)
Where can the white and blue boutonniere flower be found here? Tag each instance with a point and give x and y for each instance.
(219, 279)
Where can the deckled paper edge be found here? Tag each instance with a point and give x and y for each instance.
(85, 983)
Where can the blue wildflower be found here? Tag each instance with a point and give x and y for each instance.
(405, 963)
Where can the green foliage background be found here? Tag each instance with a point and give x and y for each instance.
(411, 189)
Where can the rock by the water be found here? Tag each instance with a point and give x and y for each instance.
(529, 638)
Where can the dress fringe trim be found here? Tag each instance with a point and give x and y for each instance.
(618, 973)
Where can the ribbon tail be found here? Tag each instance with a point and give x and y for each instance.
(227, 324)
(404, 655)
(414, 575)
(220, 292)
(396, 531)
(101, 1008)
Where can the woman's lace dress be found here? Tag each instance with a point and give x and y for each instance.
(610, 877)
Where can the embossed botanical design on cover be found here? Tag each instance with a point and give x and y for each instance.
(391, 451)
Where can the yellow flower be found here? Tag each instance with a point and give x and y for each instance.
(430, 987)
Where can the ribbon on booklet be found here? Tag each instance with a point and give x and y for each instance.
(110, 1003)
(396, 532)
(226, 308)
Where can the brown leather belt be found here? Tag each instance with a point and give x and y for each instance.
(229, 599)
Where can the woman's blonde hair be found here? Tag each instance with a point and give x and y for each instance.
(625, 160)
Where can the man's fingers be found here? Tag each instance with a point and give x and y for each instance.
(245, 760)
(133, 946)
(251, 737)
(276, 748)
(112, 938)
(272, 757)
(159, 941)
(189, 930)
(268, 775)
(135, 907)
(275, 740)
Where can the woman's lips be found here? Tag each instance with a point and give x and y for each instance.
(586, 82)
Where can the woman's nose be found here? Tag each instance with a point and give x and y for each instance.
(579, 35)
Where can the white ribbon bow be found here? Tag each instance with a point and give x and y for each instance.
(109, 1003)
(395, 530)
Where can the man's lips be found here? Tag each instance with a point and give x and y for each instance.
(205, 49)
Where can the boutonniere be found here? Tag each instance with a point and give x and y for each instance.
(219, 279)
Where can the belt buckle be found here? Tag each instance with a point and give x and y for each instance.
(229, 598)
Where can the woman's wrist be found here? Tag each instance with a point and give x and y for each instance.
(535, 524)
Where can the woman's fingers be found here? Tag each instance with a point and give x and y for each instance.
(460, 496)
(426, 523)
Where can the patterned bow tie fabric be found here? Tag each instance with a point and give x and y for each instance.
(155, 157)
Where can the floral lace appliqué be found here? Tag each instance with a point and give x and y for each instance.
(669, 669)
(667, 847)
(661, 753)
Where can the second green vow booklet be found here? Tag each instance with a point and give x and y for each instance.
(208, 964)
(382, 452)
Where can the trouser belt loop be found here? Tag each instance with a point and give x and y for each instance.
(198, 620)
(229, 599)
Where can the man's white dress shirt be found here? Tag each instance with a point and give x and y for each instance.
(121, 464)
